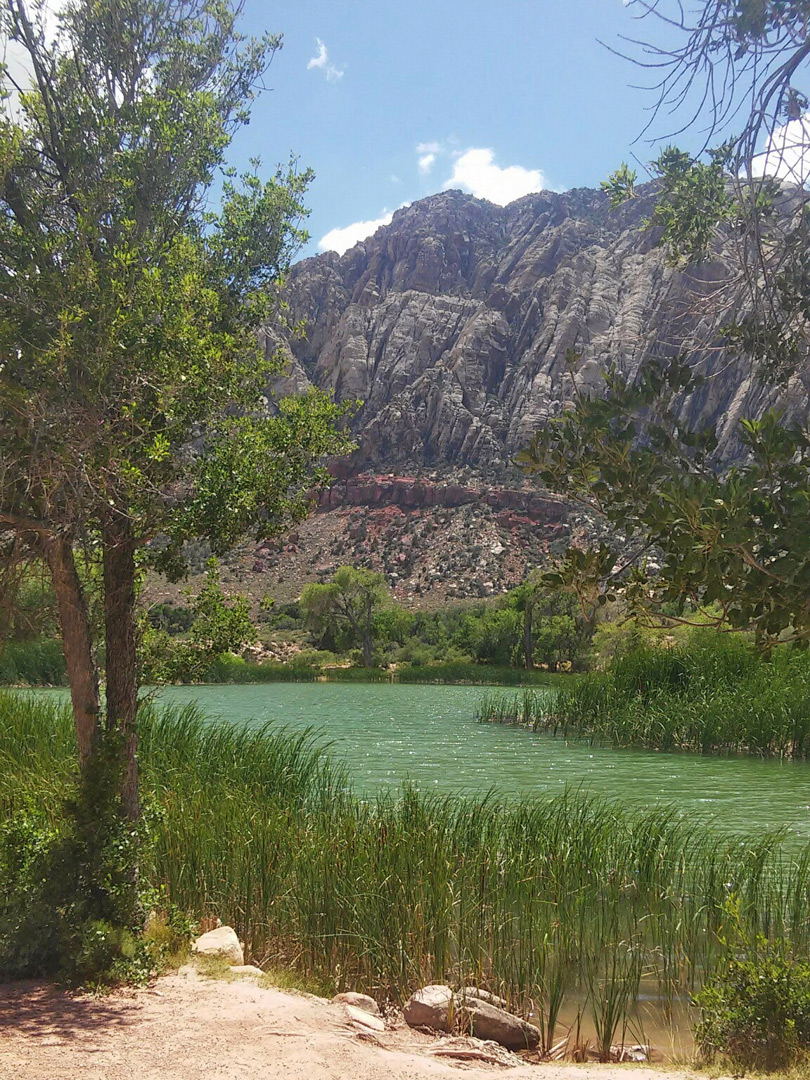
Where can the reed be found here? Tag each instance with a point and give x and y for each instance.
(477, 674)
(544, 901)
(713, 695)
(39, 662)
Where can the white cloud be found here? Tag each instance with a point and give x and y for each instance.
(322, 63)
(428, 147)
(787, 154)
(475, 171)
(342, 239)
(426, 163)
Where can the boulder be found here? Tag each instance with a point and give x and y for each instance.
(364, 1019)
(468, 992)
(220, 942)
(359, 1001)
(430, 1007)
(487, 1021)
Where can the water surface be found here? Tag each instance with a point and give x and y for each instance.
(428, 735)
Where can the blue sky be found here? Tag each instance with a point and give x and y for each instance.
(389, 102)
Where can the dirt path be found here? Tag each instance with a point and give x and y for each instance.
(189, 1028)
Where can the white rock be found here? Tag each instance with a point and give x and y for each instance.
(245, 969)
(220, 942)
(473, 992)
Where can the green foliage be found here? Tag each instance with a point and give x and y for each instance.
(493, 636)
(28, 609)
(755, 1010)
(147, 303)
(537, 899)
(706, 693)
(173, 618)
(620, 185)
(349, 603)
(736, 541)
(134, 407)
(35, 662)
(219, 627)
(693, 202)
(69, 897)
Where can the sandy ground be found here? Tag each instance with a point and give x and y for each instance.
(190, 1028)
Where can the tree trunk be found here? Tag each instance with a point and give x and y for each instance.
(119, 631)
(368, 655)
(77, 644)
(528, 636)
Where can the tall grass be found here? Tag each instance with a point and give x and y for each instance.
(546, 901)
(39, 662)
(477, 674)
(233, 669)
(712, 694)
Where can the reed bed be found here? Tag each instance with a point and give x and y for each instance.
(546, 901)
(476, 674)
(39, 662)
(714, 695)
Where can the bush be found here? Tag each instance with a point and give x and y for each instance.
(70, 903)
(755, 1011)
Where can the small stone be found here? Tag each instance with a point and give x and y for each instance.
(430, 1007)
(359, 1001)
(245, 969)
(220, 942)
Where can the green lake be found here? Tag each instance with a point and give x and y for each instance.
(428, 735)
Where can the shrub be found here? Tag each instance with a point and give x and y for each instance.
(70, 904)
(755, 1010)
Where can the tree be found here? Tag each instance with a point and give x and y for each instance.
(132, 382)
(350, 600)
(492, 633)
(555, 626)
(729, 541)
(735, 72)
(218, 625)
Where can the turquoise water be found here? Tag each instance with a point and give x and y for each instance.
(428, 735)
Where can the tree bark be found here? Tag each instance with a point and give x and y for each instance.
(368, 652)
(528, 635)
(121, 662)
(77, 645)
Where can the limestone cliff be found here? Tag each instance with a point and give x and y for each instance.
(452, 325)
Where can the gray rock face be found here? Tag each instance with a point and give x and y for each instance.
(452, 324)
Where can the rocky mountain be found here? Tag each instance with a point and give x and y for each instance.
(452, 325)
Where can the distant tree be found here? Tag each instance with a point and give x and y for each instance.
(131, 377)
(492, 634)
(555, 626)
(218, 624)
(349, 601)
